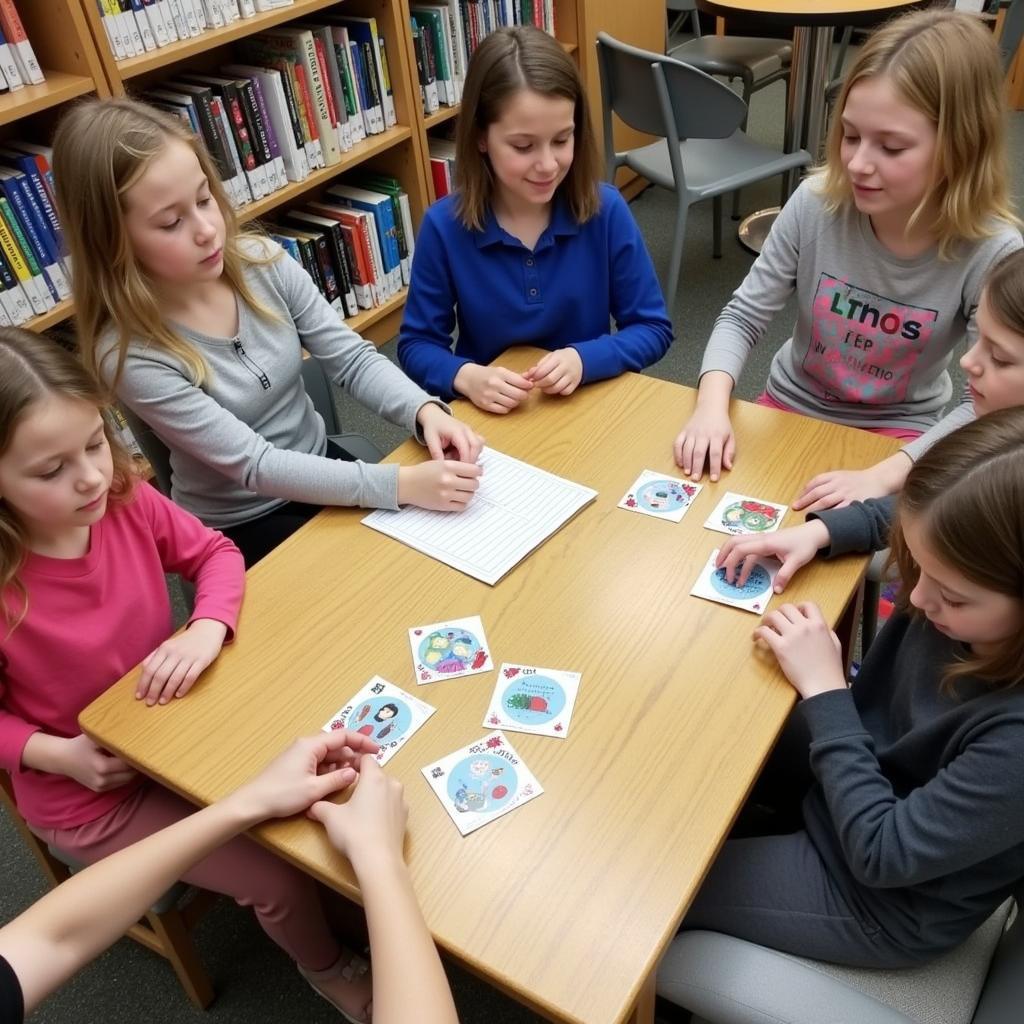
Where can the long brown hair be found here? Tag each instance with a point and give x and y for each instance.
(968, 493)
(100, 149)
(507, 61)
(946, 65)
(33, 367)
(1004, 291)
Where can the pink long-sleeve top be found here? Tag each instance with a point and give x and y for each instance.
(92, 619)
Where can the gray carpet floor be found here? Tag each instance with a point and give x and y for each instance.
(254, 982)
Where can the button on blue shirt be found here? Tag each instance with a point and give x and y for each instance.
(562, 293)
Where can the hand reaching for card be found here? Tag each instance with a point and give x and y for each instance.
(794, 548)
(809, 652)
(557, 373)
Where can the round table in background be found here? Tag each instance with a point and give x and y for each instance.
(813, 22)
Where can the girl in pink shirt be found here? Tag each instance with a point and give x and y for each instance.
(83, 552)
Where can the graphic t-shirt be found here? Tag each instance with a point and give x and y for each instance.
(874, 334)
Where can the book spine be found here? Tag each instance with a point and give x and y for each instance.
(264, 106)
(21, 48)
(37, 230)
(34, 290)
(258, 134)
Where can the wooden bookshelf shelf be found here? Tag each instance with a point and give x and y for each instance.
(361, 321)
(51, 317)
(213, 38)
(59, 87)
(440, 115)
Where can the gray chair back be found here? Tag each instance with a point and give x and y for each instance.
(156, 452)
(1013, 31)
(1002, 996)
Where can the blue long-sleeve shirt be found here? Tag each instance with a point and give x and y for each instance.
(562, 293)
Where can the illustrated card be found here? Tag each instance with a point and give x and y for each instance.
(753, 596)
(482, 782)
(739, 513)
(444, 650)
(664, 497)
(537, 700)
(385, 713)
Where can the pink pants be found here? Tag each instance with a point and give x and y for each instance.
(898, 432)
(286, 901)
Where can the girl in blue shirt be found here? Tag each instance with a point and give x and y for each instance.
(531, 249)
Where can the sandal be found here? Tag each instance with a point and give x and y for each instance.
(350, 968)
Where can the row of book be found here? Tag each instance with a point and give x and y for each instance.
(305, 95)
(134, 27)
(34, 272)
(442, 165)
(356, 243)
(18, 64)
(445, 34)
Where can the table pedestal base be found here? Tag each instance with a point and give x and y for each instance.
(753, 230)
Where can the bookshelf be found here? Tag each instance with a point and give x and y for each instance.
(577, 23)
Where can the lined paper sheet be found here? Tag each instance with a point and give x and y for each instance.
(515, 510)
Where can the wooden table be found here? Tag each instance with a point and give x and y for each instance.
(568, 902)
(812, 22)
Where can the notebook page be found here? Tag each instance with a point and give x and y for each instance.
(517, 507)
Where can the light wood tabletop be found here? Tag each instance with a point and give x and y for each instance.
(812, 12)
(567, 902)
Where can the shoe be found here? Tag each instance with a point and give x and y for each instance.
(350, 968)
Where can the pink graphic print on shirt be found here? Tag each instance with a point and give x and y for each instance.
(863, 346)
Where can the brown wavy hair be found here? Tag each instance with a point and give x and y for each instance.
(946, 65)
(100, 149)
(33, 367)
(507, 61)
(968, 492)
(1004, 291)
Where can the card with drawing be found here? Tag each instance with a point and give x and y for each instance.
(660, 496)
(739, 513)
(753, 596)
(385, 713)
(444, 650)
(537, 700)
(482, 782)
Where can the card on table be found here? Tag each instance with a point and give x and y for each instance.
(444, 650)
(664, 497)
(753, 596)
(536, 700)
(739, 513)
(385, 713)
(482, 782)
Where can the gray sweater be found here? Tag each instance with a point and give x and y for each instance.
(874, 333)
(918, 807)
(249, 439)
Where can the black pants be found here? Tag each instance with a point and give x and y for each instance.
(769, 885)
(258, 537)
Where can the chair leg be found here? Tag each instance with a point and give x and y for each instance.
(716, 249)
(170, 930)
(748, 91)
(676, 260)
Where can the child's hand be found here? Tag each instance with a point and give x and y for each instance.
(83, 761)
(445, 486)
(794, 547)
(309, 770)
(441, 431)
(372, 824)
(492, 388)
(558, 373)
(178, 662)
(840, 487)
(808, 651)
(708, 434)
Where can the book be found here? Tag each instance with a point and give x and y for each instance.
(360, 230)
(36, 228)
(427, 80)
(364, 31)
(21, 48)
(35, 290)
(349, 89)
(434, 20)
(379, 206)
(402, 215)
(331, 229)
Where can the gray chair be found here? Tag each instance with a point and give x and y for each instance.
(754, 61)
(1013, 30)
(702, 152)
(724, 980)
(318, 388)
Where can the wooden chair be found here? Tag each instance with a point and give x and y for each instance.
(166, 926)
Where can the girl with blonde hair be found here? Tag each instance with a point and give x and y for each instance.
(200, 329)
(886, 248)
(530, 249)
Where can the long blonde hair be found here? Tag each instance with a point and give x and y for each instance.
(32, 368)
(100, 149)
(507, 61)
(946, 65)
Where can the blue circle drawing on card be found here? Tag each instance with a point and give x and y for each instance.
(759, 582)
(533, 700)
(448, 650)
(481, 784)
(664, 496)
(383, 719)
